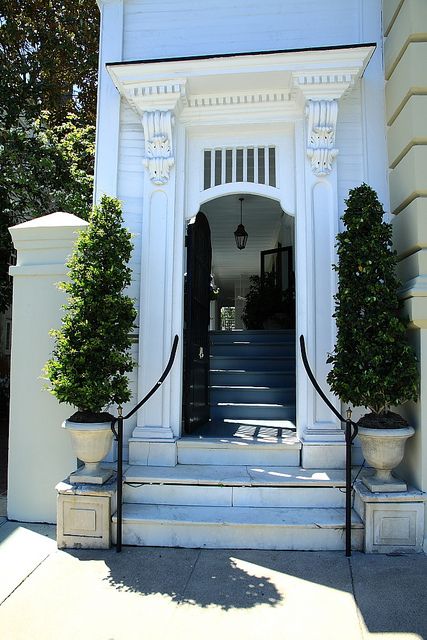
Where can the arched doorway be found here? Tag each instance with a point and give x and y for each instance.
(250, 382)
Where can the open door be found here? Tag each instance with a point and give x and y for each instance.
(280, 265)
(196, 323)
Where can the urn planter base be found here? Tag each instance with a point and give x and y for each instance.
(92, 442)
(384, 482)
(91, 474)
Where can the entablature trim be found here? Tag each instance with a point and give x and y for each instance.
(242, 80)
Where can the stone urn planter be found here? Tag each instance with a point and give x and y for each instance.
(383, 449)
(91, 442)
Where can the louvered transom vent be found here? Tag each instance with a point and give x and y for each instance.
(240, 164)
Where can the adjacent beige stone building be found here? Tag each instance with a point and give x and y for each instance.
(405, 66)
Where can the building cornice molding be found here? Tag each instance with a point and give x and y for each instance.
(172, 84)
(163, 95)
(310, 81)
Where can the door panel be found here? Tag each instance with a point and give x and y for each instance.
(196, 323)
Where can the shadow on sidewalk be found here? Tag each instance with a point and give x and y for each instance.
(389, 591)
(192, 576)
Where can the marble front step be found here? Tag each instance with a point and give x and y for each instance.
(234, 486)
(237, 527)
(283, 451)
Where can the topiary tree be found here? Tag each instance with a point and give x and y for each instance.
(92, 352)
(372, 363)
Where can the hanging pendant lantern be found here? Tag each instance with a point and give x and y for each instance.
(240, 235)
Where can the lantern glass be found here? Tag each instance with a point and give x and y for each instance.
(241, 237)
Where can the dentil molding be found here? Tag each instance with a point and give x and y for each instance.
(321, 126)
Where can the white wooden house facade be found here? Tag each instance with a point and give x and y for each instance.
(170, 90)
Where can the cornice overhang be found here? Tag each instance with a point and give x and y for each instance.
(324, 74)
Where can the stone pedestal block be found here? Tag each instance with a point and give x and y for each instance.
(84, 514)
(394, 522)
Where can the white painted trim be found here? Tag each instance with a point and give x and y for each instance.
(108, 100)
(325, 65)
(215, 124)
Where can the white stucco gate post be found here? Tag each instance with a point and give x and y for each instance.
(40, 452)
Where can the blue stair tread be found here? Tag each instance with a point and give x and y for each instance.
(251, 404)
(254, 387)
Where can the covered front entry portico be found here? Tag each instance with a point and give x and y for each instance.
(259, 124)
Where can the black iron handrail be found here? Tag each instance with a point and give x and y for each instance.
(350, 434)
(119, 437)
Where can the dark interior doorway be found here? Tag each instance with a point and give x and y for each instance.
(196, 324)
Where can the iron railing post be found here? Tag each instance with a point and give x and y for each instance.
(119, 437)
(119, 478)
(348, 489)
(350, 434)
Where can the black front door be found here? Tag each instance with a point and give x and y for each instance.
(196, 319)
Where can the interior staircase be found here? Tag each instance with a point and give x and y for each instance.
(238, 481)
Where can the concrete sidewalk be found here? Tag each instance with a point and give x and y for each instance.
(154, 593)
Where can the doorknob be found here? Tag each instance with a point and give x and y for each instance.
(201, 353)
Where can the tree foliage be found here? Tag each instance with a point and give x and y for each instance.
(49, 58)
(372, 364)
(91, 355)
(42, 169)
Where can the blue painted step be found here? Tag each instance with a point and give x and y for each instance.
(254, 363)
(252, 394)
(248, 349)
(247, 411)
(237, 377)
(253, 336)
(252, 376)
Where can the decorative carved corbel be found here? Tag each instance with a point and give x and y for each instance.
(158, 158)
(321, 126)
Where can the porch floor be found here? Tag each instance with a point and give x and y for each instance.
(248, 430)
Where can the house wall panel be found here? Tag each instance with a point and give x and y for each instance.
(349, 142)
(192, 28)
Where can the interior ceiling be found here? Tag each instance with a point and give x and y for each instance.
(262, 220)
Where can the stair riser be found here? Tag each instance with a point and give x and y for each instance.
(238, 350)
(245, 378)
(231, 536)
(263, 396)
(239, 412)
(216, 496)
(258, 337)
(243, 455)
(253, 364)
